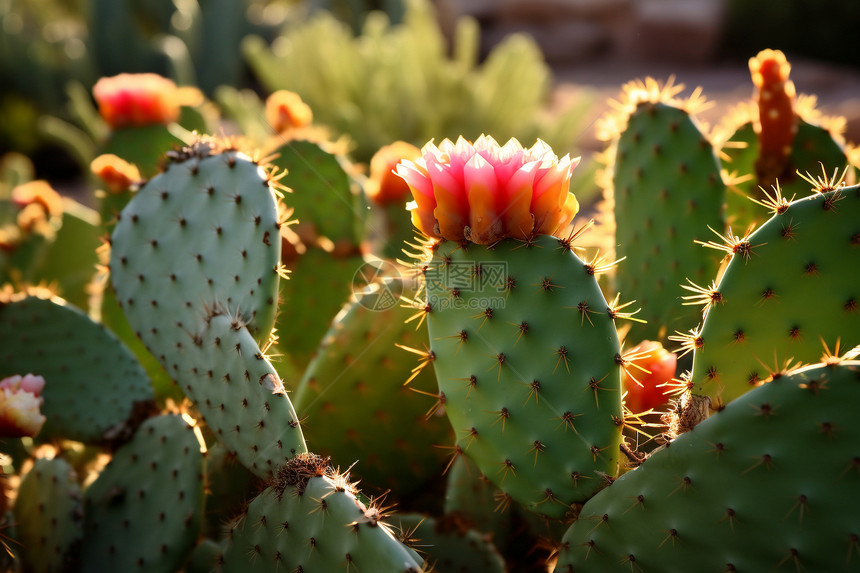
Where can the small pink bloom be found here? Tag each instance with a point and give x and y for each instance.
(137, 99)
(484, 192)
(20, 403)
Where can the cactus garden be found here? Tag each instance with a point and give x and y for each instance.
(377, 312)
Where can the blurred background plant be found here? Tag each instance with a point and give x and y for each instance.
(372, 71)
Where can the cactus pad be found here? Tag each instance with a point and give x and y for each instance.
(194, 262)
(354, 399)
(767, 484)
(143, 513)
(790, 285)
(94, 386)
(310, 520)
(667, 190)
(527, 362)
(49, 517)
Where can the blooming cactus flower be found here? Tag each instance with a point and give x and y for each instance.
(20, 400)
(484, 192)
(384, 187)
(137, 99)
(285, 110)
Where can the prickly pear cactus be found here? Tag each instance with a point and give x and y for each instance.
(95, 390)
(790, 285)
(330, 215)
(768, 483)
(194, 261)
(143, 513)
(323, 196)
(310, 520)
(528, 366)
(49, 517)
(667, 190)
(321, 283)
(359, 402)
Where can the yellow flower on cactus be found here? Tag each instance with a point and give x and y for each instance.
(20, 403)
(138, 99)
(483, 192)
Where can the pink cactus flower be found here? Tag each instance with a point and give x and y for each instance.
(137, 99)
(484, 192)
(20, 403)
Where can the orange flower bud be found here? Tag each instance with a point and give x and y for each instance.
(285, 110)
(384, 186)
(118, 175)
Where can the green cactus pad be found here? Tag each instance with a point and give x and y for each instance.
(143, 146)
(667, 190)
(240, 395)
(322, 195)
(471, 497)
(93, 385)
(229, 488)
(49, 517)
(792, 285)
(813, 146)
(194, 264)
(202, 235)
(449, 545)
(204, 558)
(768, 484)
(318, 287)
(70, 261)
(310, 520)
(143, 513)
(527, 360)
(354, 400)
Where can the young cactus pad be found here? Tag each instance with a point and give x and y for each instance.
(49, 516)
(143, 513)
(767, 484)
(667, 190)
(194, 262)
(94, 388)
(309, 520)
(790, 285)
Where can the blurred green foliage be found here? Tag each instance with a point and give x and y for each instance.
(398, 81)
